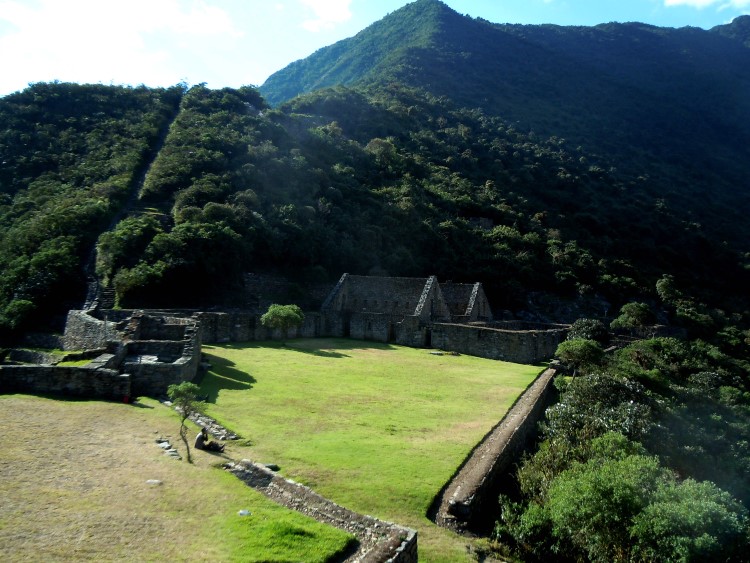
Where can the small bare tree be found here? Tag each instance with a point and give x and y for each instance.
(184, 397)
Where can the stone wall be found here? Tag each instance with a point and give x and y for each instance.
(156, 349)
(33, 357)
(393, 296)
(153, 378)
(522, 347)
(431, 304)
(371, 326)
(86, 381)
(86, 332)
(470, 498)
(379, 541)
(411, 332)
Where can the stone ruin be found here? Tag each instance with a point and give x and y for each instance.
(131, 354)
(142, 352)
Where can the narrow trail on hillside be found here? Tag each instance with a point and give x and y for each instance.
(139, 177)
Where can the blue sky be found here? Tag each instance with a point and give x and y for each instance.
(237, 42)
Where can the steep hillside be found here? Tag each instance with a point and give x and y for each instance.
(384, 180)
(672, 105)
(70, 156)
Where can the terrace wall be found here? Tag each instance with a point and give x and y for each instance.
(523, 347)
(86, 381)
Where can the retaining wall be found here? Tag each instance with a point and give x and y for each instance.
(89, 382)
(522, 347)
(380, 541)
(472, 493)
(85, 332)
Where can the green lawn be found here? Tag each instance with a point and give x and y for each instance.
(377, 428)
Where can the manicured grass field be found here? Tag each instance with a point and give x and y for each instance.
(73, 484)
(377, 428)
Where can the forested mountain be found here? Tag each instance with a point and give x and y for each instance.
(573, 161)
(672, 105)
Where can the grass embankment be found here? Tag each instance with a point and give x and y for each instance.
(73, 487)
(377, 428)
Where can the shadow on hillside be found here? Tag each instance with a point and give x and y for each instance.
(223, 375)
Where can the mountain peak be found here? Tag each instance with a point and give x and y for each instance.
(413, 26)
(738, 29)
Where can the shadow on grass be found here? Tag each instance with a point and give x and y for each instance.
(316, 352)
(223, 375)
(321, 347)
(137, 404)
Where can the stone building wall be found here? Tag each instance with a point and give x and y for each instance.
(523, 347)
(393, 296)
(371, 326)
(411, 332)
(153, 378)
(86, 332)
(86, 381)
(432, 305)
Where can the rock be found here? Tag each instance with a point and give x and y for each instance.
(244, 512)
(272, 466)
(165, 445)
(153, 482)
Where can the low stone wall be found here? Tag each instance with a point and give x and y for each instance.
(33, 357)
(153, 378)
(70, 381)
(522, 347)
(165, 351)
(380, 541)
(464, 502)
(528, 344)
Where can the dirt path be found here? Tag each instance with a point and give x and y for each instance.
(462, 498)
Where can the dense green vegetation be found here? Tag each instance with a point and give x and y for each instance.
(662, 104)
(377, 428)
(645, 457)
(70, 157)
(396, 181)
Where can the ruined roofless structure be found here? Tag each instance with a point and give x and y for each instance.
(423, 298)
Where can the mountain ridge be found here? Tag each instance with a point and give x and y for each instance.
(634, 95)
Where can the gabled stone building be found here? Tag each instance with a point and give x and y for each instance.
(399, 309)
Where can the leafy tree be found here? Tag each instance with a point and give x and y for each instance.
(282, 317)
(184, 397)
(589, 329)
(690, 521)
(580, 353)
(593, 505)
(633, 315)
(614, 502)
